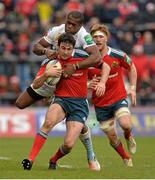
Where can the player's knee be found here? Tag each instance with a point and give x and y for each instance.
(107, 126)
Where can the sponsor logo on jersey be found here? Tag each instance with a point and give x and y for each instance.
(114, 64)
(88, 39)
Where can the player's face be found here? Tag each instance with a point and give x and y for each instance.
(65, 50)
(72, 25)
(101, 41)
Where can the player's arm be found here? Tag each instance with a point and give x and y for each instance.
(42, 48)
(132, 73)
(94, 58)
(101, 85)
(45, 74)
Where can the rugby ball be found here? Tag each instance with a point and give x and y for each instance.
(53, 80)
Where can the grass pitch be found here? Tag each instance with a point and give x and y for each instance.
(74, 165)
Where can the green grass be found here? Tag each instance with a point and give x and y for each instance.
(112, 166)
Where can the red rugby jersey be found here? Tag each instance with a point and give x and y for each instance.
(76, 85)
(115, 89)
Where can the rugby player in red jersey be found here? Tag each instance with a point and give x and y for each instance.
(70, 103)
(84, 47)
(109, 94)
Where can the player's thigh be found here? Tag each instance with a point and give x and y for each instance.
(54, 115)
(24, 100)
(73, 130)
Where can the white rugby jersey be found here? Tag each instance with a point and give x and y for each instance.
(82, 37)
(45, 90)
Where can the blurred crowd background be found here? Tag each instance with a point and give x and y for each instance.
(23, 22)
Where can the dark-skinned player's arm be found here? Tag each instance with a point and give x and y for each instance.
(42, 48)
(93, 58)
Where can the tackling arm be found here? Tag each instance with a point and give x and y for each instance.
(94, 58)
(41, 48)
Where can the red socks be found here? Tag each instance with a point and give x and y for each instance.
(59, 154)
(127, 134)
(37, 145)
(121, 151)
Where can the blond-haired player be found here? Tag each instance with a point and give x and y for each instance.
(109, 94)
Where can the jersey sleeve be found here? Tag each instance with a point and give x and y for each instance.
(50, 35)
(86, 39)
(40, 71)
(126, 62)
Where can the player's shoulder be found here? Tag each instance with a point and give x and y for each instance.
(82, 32)
(117, 53)
(85, 37)
(57, 28)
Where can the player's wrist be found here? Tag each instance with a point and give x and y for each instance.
(133, 87)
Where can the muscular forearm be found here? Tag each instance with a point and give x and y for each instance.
(37, 83)
(105, 73)
(38, 49)
(133, 76)
(94, 58)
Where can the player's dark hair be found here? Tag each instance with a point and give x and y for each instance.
(66, 38)
(77, 15)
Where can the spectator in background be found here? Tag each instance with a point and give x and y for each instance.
(127, 42)
(99, 10)
(152, 75)
(58, 17)
(2, 18)
(148, 43)
(111, 11)
(73, 5)
(141, 62)
(23, 68)
(45, 11)
(88, 10)
(25, 7)
(3, 84)
(126, 7)
(93, 20)
(149, 13)
(14, 84)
